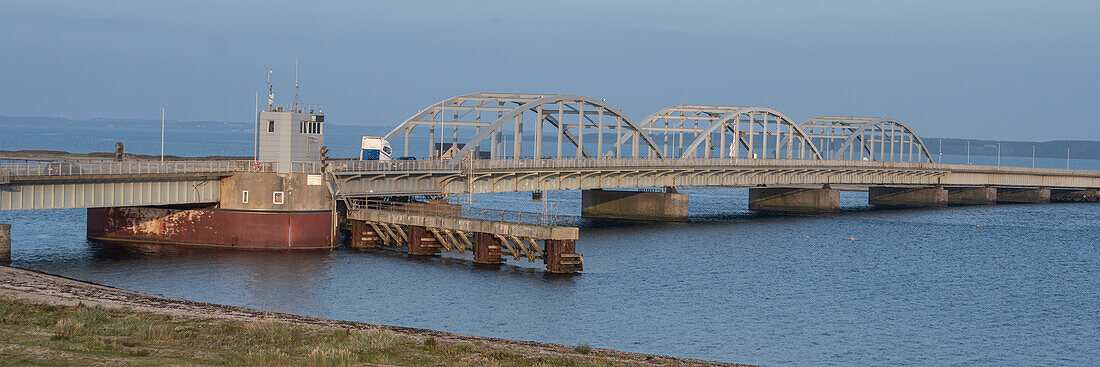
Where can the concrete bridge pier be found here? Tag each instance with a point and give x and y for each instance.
(971, 195)
(487, 249)
(362, 235)
(794, 200)
(634, 205)
(1075, 196)
(5, 243)
(907, 197)
(562, 257)
(1023, 196)
(421, 242)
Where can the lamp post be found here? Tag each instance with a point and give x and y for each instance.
(998, 154)
(256, 139)
(967, 152)
(162, 135)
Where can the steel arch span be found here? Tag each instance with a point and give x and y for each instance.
(866, 138)
(751, 132)
(504, 122)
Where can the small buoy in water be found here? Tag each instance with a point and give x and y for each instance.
(853, 238)
(807, 236)
(977, 225)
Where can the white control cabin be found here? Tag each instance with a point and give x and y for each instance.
(291, 134)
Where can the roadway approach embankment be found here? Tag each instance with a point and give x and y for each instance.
(32, 287)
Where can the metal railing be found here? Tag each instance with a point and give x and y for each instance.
(305, 167)
(131, 167)
(388, 166)
(511, 216)
(353, 166)
(356, 166)
(299, 108)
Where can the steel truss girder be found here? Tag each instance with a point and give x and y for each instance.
(720, 119)
(70, 194)
(851, 130)
(509, 109)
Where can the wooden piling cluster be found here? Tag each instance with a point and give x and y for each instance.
(5, 242)
(488, 249)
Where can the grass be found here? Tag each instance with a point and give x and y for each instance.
(50, 335)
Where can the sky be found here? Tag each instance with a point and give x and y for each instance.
(1011, 70)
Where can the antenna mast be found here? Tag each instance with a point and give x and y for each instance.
(270, 93)
(296, 101)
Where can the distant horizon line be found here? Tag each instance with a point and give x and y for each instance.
(158, 120)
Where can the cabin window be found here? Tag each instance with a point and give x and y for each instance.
(270, 126)
(244, 196)
(302, 127)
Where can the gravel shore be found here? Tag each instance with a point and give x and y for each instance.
(40, 288)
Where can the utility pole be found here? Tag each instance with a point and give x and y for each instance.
(967, 152)
(1032, 155)
(1067, 158)
(998, 154)
(941, 150)
(162, 135)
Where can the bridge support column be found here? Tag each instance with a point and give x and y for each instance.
(794, 200)
(1075, 196)
(907, 197)
(1023, 196)
(421, 242)
(635, 205)
(5, 243)
(362, 235)
(561, 257)
(971, 195)
(487, 249)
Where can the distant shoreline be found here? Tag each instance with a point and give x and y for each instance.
(1079, 149)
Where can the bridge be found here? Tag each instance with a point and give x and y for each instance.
(568, 142)
(500, 142)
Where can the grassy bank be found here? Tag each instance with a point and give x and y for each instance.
(32, 334)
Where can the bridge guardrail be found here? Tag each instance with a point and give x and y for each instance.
(355, 166)
(352, 166)
(512, 216)
(375, 166)
(77, 168)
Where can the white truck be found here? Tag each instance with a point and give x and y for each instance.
(375, 149)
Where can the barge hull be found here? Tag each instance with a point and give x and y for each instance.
(212, 227)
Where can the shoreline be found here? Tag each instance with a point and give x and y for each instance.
(34, 287)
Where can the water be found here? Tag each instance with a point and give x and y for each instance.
(996, 285)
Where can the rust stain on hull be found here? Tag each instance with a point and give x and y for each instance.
(212, 227)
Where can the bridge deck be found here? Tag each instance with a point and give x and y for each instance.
(55, 185)
(484, 176)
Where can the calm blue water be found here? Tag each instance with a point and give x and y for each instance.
(997, 285)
